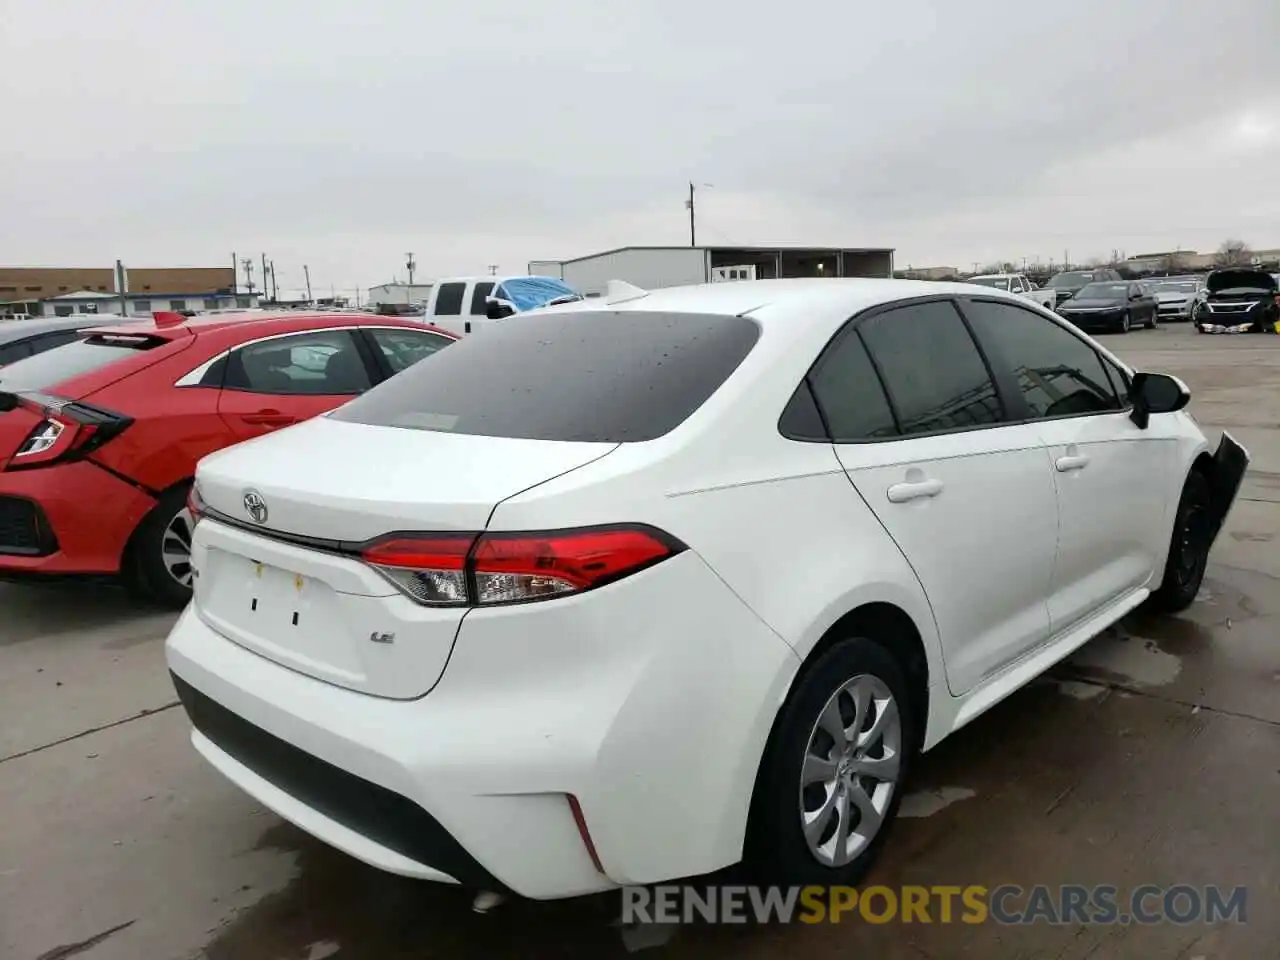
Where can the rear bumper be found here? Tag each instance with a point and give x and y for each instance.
(649, 701)
(84, 516)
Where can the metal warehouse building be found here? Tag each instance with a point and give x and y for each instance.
(655, 267)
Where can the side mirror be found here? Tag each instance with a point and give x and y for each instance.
(1156, 393)
(497, 310)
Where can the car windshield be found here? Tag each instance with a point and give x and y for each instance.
(1072, 280)
(1104, 291)
(1000, 283)
(590, 376)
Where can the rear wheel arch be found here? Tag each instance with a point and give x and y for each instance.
(882, 624)
(887, 625)
(132, 570)
(893, 629)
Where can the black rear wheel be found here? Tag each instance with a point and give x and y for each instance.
(832, 777)
(158, 564)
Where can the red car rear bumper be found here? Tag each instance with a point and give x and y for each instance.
(72, 518)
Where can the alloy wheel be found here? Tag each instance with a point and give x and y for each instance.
(175, 548)
(850, 770)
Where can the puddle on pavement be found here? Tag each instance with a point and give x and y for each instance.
(339, 908)
(1122, 657)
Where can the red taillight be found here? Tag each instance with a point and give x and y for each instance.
(195, 503)
(494, 568)
(431, 568)
(68, 429)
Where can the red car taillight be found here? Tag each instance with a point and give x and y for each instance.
(68, 430)
(467, 569)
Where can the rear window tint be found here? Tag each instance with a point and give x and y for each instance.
(70, 360)
(607, 377)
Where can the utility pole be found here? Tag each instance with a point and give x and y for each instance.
(266, 281)
(693, 232)
(306, 272)
(247, 263)
(1066, 260)
(275, 284)
(493, 269)
(235, 267)
(122, 287)
(410, 265)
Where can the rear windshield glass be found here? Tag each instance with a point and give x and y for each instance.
(607, 377)
(69, 360)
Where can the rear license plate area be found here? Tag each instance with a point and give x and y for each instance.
(282, 614)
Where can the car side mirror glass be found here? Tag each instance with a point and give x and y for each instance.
(1156, 393)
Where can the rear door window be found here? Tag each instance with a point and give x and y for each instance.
(849, 394)
(449, 299)
(597, 376)
(935, 376)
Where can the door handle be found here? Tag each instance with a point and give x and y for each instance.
(1069, 463)
(268, 418)
(913, 490)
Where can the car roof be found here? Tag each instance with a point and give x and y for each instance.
(994, 276)
(283, 321)
(12, 330)
(823, 302)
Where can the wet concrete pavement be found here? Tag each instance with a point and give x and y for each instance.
(1152, 757)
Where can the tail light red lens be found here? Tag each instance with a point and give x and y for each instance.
(195, 503)
(498, 568)
(428, 568)
(68, 430)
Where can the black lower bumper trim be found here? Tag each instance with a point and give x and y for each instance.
(24, 529)
(385, 817)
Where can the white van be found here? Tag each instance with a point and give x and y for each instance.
(460, 304)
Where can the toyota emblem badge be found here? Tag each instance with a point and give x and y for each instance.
(255, 506)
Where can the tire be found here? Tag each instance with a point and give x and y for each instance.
(153, 568)
(1126, 323)
(1152, 322)
(777, 848)
(1189, 547)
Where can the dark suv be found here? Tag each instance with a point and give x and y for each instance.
(1067, 285)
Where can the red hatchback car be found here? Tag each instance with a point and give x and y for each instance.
(99, 438)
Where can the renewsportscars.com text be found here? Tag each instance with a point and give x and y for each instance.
(1006, 904)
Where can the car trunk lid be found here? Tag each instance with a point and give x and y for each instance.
(278, 562)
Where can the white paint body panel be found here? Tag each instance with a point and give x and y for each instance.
(664, 686)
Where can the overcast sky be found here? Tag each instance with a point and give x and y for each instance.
(344, 133)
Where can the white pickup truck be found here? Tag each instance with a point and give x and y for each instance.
(1017, 283)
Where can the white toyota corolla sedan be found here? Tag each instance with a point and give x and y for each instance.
(618, 595)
